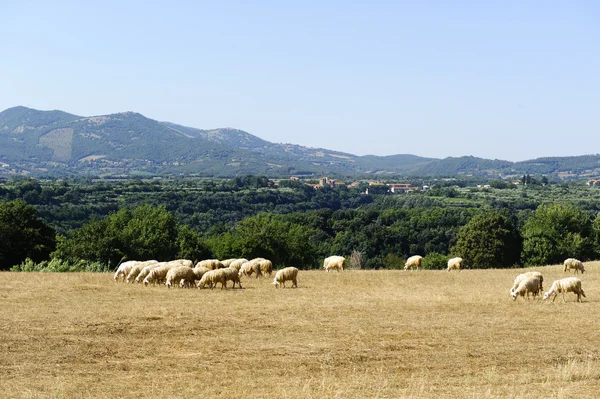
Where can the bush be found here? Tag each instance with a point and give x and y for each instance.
(435, 261)
(59, 265)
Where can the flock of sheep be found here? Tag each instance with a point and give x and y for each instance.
(526, 283)
(531, 282)
(206, 273)
(210, 272)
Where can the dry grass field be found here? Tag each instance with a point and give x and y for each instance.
(356, 334)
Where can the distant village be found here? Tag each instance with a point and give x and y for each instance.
(374, 186)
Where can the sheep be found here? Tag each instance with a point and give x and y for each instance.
(210, 264)
(455, 264)
(527, 285)
(237, 263)
(334, 262)
(179, 273)
(525, 276)
(146, 270)
(572, 263)
(569, 284)
(199, 272)
(137, 269)
(250, 267)
(232, 274)
(212, 277)
(266, 266)
(124, 269)
(159, 274)
(287, 274)
(227, 262)
(414, 261)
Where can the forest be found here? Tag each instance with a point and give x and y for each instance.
(93, 224)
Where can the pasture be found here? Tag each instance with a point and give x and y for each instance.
(356, 334)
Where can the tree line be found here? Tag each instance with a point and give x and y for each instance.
(293, 225)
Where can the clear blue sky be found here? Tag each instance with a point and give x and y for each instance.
(511, 80)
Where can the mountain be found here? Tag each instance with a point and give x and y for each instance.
(57, 143)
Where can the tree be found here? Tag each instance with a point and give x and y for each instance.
(488, 240)
(556, 232)
(23, 235)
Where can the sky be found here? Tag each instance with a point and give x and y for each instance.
(511, 80)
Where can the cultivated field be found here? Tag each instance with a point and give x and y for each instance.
(356, 334)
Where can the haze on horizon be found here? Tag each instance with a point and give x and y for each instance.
(507, 80)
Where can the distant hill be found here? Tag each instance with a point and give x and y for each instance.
(57, 143)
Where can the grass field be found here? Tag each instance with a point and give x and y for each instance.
(356, 334)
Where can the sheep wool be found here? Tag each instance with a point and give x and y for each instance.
(287, 274)
(180, 273)
(569, 284)
(455, 264)
(527, 276)
(572, 263)
(414, 261)
(529, 285)
(334, 262)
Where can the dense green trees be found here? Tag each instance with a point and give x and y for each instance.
(488, 240)
(23, 235)
(555, 232)
(296, 225)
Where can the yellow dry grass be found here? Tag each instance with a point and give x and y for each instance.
(356, 334)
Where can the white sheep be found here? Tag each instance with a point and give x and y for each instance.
(526, 286)
(159, 274)
(287, 274)
(124, 269)
(180, 273)
(137, 269)
(526, 276)
(455, 264)
(237, 264)
(212, 277)
(414, 261)
(146, 270)
(572, 263)
(210, 264)
(232, 274)
(334, 262)
(227, 262)
(266, 266)
(569, 284)
(250, 267)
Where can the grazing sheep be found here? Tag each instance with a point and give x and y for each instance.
(237, 264)
(334, 262)
(250, 267)
(232, 274)
(210, 264)
(287, 274)
(146, 270)
(159, 274)
(569, 284)
(414, 261)
(179, 273)
(137, 269)
(526, 276)
(572, 263)
(227, 262)
(124, 269)
(531, 284)
(455, 264)
(199, 272)
(212, 277)
(266, 266)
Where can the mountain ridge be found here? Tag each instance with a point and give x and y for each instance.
(130, 144)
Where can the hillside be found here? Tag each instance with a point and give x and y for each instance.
(57, 143)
